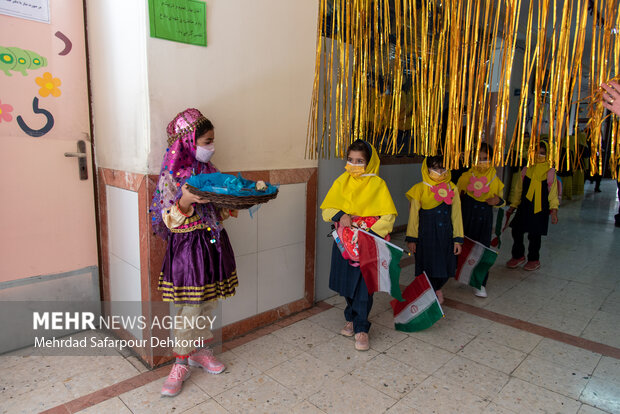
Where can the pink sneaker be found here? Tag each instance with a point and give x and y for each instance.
(532, 265)
(362, 343)
(174, 382)
(205, 359)
(514, 263)
(348, 329)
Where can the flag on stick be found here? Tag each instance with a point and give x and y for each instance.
(474, 262)
(380, 264)
(420, 309)
(499, 221)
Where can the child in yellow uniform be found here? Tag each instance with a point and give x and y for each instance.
(435, 228)
(535, 198)
(481, 190)
(359, 191)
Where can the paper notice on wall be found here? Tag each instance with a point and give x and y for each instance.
(179, 20)
(37, 10)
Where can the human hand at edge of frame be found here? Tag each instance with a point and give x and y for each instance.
(554, 216)
(493, 201)
(411, 246)
(457, 248)
(345, 220)
(611, 98)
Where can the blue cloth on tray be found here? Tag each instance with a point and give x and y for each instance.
(228, 184)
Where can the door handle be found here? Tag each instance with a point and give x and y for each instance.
(81, 156)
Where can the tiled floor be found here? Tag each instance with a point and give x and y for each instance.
(463, 364)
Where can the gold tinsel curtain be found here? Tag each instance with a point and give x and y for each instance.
(415, 77)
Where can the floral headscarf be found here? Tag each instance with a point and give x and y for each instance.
(179, 164)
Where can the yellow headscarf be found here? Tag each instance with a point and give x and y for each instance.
(422, 191)
(537, 174)
(364, 196)
(495, 184)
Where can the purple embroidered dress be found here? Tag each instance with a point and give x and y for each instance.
(199, 264)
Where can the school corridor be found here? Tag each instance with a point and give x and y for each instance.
(543, 341)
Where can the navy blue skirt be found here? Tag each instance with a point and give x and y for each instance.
(477, 219)
(435, 248)
(345, 279)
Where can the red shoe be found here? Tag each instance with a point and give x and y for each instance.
(205, 359)
(532, 265)
(514, 263)
(174, 382)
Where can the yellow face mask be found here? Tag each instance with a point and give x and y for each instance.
(438, 176)
(355, 170)
(482, 166)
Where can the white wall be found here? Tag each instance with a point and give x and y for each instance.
(117, 31)
(253, 81)
(124, 244)
(270, 250)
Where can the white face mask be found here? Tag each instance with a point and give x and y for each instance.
(204, 154)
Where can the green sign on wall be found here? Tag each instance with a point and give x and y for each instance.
(182, 21)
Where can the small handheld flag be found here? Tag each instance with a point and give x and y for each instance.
(420, 309)
(380, 264)
(499, 221)
(474, 263)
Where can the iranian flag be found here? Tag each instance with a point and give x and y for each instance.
(420, 309)
(380, 264)
(474, 262)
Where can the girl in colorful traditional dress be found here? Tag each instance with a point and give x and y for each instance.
(199, 264)
(435, 228)
(535, 199)
(358, 192)
(481, 190)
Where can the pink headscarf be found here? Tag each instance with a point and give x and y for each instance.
(178, 165)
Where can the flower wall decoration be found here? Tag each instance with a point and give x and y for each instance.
(5, 112)
(49, 85)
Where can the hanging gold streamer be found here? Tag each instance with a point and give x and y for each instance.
(415, 77)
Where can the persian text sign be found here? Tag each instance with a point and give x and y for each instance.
(37, 10)
(182, 21)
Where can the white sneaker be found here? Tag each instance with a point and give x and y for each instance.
(481, 293)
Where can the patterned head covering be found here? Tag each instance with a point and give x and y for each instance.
(179, 164)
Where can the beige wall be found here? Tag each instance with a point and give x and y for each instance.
(253, 80)
(117, 32)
